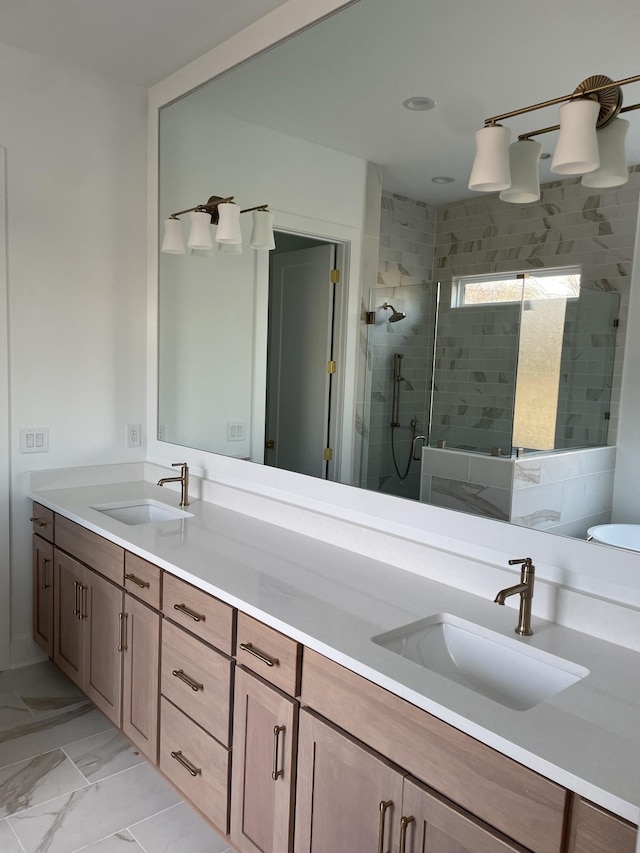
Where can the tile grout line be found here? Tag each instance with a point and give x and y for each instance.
(11, 829)
(68, 757)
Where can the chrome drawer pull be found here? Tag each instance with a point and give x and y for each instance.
(194, 685)
(248, 647)
(275, 773)
(38, 521)
(182, 608)
(179, 757)
(122, 646)
(76, 603)
(384, 806)
(142, 584)
(404, 823)
(83, 601)
(45, 585)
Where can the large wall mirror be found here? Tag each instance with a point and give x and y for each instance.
(419, 369)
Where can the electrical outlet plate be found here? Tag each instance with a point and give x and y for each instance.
(134, 435)
(34, 440)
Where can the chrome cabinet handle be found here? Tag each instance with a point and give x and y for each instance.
(385, 805)
(404, 823)
(179, 757)
(38, 521)
(136, 580)
(275, 773)
(194, 685)
(248, 647)
(76, 603)
(182, 608)
(122, 645)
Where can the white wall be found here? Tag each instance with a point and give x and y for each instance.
(209, 314)
(76, 239)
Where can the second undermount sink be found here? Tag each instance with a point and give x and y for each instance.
(143, 511)
(506, 670)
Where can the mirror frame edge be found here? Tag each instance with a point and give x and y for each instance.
(571, 562)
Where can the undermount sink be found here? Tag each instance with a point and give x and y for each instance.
(144, 511)
(506, 670)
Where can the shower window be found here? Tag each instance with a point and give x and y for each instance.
(496, 288)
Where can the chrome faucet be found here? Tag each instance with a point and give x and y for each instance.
(183, 479)
(525, 590)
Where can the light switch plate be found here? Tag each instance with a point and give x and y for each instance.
(34, 440)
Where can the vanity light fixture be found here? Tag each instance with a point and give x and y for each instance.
(590, 143)
(224, 213)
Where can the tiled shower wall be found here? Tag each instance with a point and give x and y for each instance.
(405, 263)
(570, 225)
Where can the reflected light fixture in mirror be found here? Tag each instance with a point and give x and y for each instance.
(225, 214)
(583, 147)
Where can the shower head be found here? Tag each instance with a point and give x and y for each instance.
(395, 315)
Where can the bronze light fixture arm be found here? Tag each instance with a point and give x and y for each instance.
(212, 205)
(585, 89)
(553, 127)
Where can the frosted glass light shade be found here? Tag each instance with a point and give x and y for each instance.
(613, 170)
(200, 232)
(262, 236)
(230, 248)
(228, 223)
(173, 239)
(490, 172)
(577, 149)
(523, 165)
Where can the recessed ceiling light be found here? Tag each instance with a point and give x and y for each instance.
(419, 103)
(442, 179)
(545, 156)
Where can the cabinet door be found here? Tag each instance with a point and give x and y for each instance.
(429, 822)
(263, 769)
(141, 664)
(68, 628)
(593, 830)
(348, 798)
(103, 617)
(43, 594)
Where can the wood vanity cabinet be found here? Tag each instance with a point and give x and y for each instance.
(503, 794)
(43, 593)
(88, 632)
(594, 830)
(141, 654)
(263, 775)
(351, 798)
(195, 702)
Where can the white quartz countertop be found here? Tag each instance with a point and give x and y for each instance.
(586, 738)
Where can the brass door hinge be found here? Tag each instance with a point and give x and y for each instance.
(270, 444)
(331, 367)
(335, 276)
(327, 454)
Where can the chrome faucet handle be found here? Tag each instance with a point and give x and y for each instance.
(179, 465)
(522, 561)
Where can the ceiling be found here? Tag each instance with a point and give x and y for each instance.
(342, 83)
(137, 41)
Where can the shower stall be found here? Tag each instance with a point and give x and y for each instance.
(496, 380)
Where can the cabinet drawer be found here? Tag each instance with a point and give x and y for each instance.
(195, 763)
(508, 796)
(199, 612)
(197, 679)
(86, 546)
(142, 579)
(269, 653)
(42, 521)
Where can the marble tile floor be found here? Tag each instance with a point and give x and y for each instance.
(69, 781)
